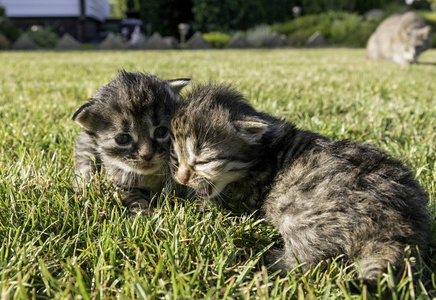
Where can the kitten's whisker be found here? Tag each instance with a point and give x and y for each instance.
(174, 165)
(191, 194)
(213, 186)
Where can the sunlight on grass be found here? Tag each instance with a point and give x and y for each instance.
(56, 244)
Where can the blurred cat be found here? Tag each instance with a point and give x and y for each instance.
(399, 38)
(126, 132)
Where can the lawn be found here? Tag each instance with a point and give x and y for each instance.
(55, 244)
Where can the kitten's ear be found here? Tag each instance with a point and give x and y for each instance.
(178, 84)
(252, 129)
(424, 32)
(85, 117)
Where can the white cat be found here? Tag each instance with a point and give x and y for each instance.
(399, 38)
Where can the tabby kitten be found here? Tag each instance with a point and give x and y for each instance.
(126, 132)
(400, 38)
(326, 198)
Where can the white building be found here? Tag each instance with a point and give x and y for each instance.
(80, 18)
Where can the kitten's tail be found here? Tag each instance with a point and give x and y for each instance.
(376, 256)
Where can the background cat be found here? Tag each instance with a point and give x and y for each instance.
(326, 198)
(126, 130)
(400, 38)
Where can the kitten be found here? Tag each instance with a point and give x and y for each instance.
(400, 38)
(326, 198)
(126, 132)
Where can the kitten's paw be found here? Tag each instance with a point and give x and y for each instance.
(139, 207)
(275, 261)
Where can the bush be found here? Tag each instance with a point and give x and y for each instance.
(340, 28)
(217, 39)
(429, 17)
(360, 36)
(321, 22)
(299, 39)
(45, 38)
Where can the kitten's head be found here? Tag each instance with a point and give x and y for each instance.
(419, 39)
(416, 35)
(129, 119)
(216, 139)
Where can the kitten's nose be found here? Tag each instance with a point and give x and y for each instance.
(147, 157)
(146, 153)
(183, 174)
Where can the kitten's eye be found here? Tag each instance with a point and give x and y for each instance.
(161, 132)
(203, 162)
(123, 139)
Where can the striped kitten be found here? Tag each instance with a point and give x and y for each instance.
(326, 198)
(126, 131)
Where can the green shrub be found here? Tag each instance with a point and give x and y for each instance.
(299, 38)
(306, 23)
(45, 38)
(341, 28)
(321, 22)
(429, 17)
(360, 37)
(217, 39)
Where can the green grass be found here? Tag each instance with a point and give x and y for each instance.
(55, 244)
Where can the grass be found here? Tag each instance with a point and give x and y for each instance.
(55, 244)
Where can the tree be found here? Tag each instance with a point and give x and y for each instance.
(164, 15)
(225, 15)
(118, 8)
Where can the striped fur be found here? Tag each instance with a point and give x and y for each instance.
(125, 132)
(326, 198)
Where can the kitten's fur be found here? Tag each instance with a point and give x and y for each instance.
(125, 130)
(400, 38)
(326, 198)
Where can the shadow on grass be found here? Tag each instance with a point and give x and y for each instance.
(427, 63)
